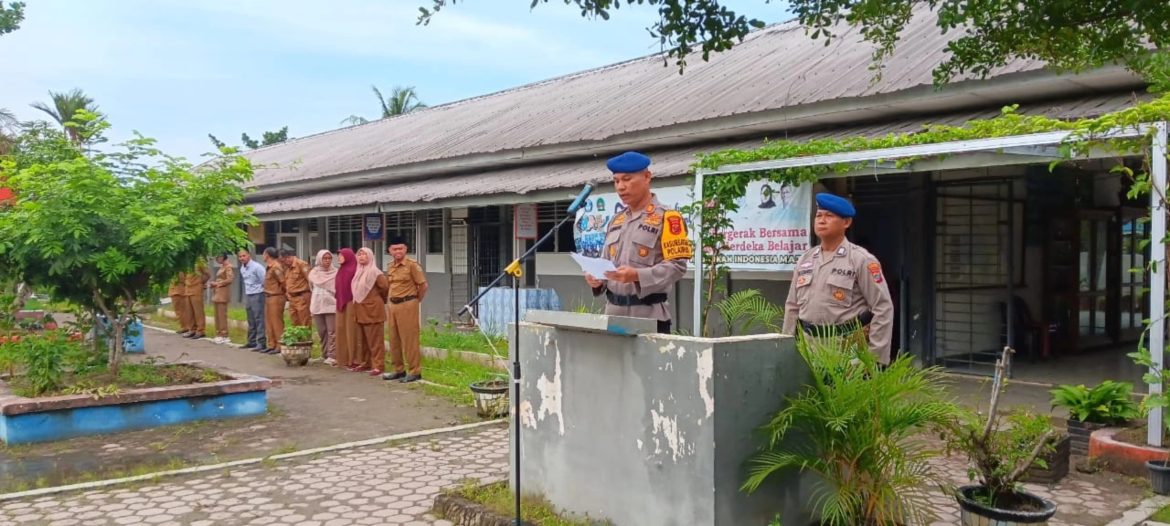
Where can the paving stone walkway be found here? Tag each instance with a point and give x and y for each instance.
(1081, 500)
(391, 484)
(396, 483)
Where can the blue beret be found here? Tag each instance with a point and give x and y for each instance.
(629, 162)
(835, 204)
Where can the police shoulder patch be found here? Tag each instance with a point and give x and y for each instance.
(875, 271)
(675, 242)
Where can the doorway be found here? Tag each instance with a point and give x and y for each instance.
(977, 267)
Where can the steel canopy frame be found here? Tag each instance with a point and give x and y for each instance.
(1009, 147)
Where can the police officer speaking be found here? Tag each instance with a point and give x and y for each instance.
(837, 286)
(647, 243)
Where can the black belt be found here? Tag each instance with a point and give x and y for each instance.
(299, 293)
(273, 295)
(841, 329)
(403, 299)
(633, 299)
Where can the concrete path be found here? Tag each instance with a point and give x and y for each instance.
(391, 484)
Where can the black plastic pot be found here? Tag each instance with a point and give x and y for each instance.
(1080, 432)
(1159, 476)
(971, 510)
(491, 398)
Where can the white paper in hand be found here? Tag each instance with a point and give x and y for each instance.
(595, 267)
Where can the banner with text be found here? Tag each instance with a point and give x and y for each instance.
(770, 230)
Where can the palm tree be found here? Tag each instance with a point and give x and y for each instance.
(65, 106)
(401, 100)
(8, 123)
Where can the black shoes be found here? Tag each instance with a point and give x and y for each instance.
(411, 378)
(393, 376)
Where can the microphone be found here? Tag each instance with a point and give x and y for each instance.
(580, 199)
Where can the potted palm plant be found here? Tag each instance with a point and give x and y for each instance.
(1106, 404)
(859, 428)
(296, 345)
(1000, 456)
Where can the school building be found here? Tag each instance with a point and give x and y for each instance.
(955, 244)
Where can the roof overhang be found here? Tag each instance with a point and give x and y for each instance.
(1011, 88)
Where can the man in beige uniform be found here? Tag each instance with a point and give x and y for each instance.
(647, 243)
(179, 304)
(196, 283)
(408, 287)
(838, 286)
(296, 287)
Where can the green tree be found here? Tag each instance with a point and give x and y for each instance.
(11, 16)
(108, 230)
(63, 109)
(401, 100)
(1068, 35)
(267, 138)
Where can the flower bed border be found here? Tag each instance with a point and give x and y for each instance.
(1122, 457)
(26, 420)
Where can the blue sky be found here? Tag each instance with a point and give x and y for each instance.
(177, 70)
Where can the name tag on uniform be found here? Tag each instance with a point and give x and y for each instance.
(647, 228)
(842, 272)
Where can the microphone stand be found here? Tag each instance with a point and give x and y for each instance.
(513, 269)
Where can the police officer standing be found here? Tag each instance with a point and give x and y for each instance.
(838, 287)
(647, 243)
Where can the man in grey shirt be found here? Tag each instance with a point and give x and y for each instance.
(252, 275)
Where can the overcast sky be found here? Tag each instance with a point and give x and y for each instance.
(177, 70)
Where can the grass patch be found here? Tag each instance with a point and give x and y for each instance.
(234, 313)
(1162, 515)
(446, 337)
(498, 498)
(236, 335)
(149, 468)
(453, 376)
(102, 383)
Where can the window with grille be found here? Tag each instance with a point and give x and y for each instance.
(345, 232)
(434, 232)
(547, 216)
(401, 224)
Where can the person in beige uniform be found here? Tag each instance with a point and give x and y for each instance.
(196, 283)
(296, 287)
(838, 287)
(221, 294)
(274, 300)
(179, 303)
(408, 287)
(647, 243)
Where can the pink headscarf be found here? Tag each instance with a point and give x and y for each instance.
(366, 276)
(345, 278)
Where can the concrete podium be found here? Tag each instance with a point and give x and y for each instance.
(646, 429)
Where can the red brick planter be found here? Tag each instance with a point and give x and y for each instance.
(1122, 457)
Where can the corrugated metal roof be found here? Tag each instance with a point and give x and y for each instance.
(667, 163)
(774, 68)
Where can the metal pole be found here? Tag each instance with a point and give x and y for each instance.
(697, 301)
(516, 390)
(1157, 272)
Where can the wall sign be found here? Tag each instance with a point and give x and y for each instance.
(372, 227)
(524, 220)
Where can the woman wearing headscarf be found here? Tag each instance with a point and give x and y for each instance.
(323, 303)
(370, 290)
(346, 340)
